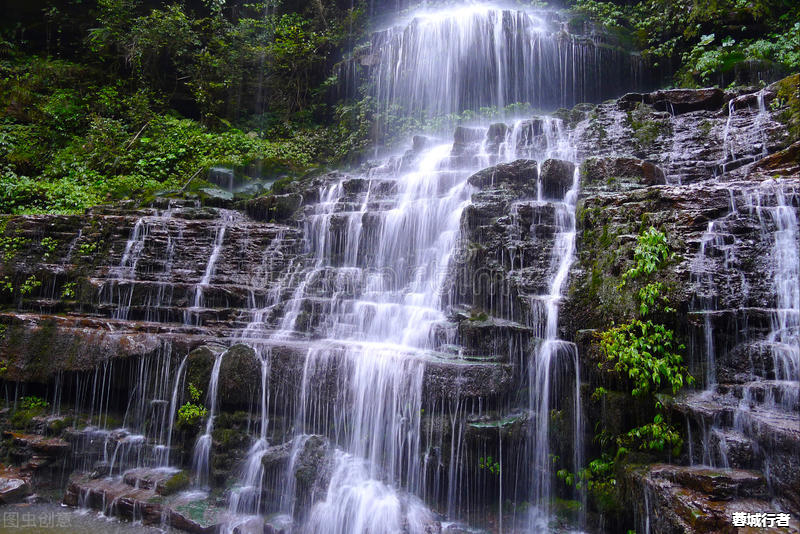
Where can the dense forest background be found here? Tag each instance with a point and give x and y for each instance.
(103, 100)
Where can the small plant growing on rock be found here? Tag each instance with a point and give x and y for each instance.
(645, 128)
(190, 414)
(49, 245)
(29, 285)
(68, 291)
(87, 248)
(29, 407)
(489, 464)
(33, 402)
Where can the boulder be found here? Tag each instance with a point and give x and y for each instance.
(676, 101)
(556, 178)
(13, 486)
(465, 139)
(239, 375)
(518, 176)
(620, 173)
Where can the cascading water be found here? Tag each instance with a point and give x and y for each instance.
(381, 246)
(540, 372)
(752, 318)
(477, 56)
(202, 449)
(370, 301)
(192, 315)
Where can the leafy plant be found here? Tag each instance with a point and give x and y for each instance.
(29, 284)
(49, 245)
(189, 415)
(651, 253)
(194, 393)
(27, 403)
(648, 356)
(85, 249)
(489, 464)
(68, 290)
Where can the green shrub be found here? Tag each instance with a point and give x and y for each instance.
(190, 415)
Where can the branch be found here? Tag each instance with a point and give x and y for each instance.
(135, 137)
(182, 189)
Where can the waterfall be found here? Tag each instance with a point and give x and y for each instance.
(202, 449)
(486, 56)
(372, 437)
(193, 313)
(551, 348)
(748, 336)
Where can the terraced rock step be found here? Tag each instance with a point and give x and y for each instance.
(675, 499)
(190, 511)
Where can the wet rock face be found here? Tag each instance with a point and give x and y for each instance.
(677, 160)
(311, 462)
(556, 178)
(676, 499)
(692, 135)
(616, 174)
(240, 370)
(676, 101)
(130, 499)
(14, 486)
(518, 178)
(705, 184)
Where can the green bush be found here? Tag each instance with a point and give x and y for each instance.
(190, 415)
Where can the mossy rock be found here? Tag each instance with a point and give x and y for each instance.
(240, 376)
(230, 438)
(199, 363)
(177, 482)
(788, 101)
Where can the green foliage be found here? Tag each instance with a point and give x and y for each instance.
(49, 245)
(707, 40)
(7, 285)
(647, 354)
(194, 393)
(68, 290)
(655, 436)
(598, 479)
(190, 414)
(489, 464)
(10, 245)
(33, 402)
(29, 284)
(645, 129)
(787, 103)
(651, 296)
(177, 482)
(651, 253)
(152, 96)
(85, 249)
(28, 408)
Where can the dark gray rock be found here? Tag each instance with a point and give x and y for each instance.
(518, 177)
(620, 173)
(556, 178)
(676, 101)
